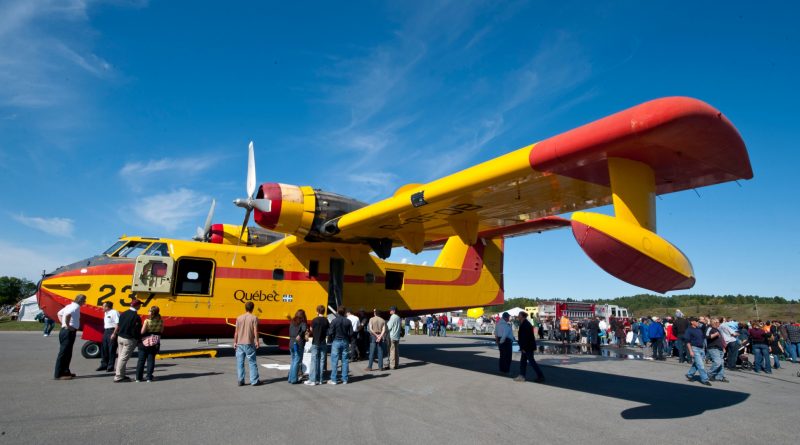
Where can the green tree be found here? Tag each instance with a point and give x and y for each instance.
(13, 289)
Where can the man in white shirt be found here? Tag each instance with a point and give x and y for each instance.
(70, 318)
(108, 350)
(504, 337)
(354, 355)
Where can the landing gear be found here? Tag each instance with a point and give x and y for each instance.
(90, 349)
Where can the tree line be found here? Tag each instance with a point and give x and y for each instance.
(13, 290)
(646, 301)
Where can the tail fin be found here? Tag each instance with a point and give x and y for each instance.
(484, 258)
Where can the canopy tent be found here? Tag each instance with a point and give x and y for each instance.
(515, 311)
(29, 309)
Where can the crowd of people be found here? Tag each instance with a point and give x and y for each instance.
(727, 344)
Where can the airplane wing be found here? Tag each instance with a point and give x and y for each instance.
(684, 143)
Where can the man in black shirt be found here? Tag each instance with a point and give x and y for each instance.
(128, 333)
(679, 327)
(340, 329)
(694, 344)
(319, 348)
(715, 346)
(527, 344)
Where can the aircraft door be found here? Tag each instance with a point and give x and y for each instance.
(336, 283)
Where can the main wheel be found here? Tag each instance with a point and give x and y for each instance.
(90, 349)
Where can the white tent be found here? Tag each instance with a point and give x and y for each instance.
(29, 309)
(515, 311)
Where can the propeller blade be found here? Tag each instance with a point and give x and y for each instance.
(263, 205)
(244, 225)
(251, 171)
(199, 234)
(207, 226)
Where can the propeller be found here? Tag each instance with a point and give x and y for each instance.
(263, 205)
(204, 232)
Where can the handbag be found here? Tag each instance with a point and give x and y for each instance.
(152, 340)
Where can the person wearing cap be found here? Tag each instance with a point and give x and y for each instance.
(695, 340)
(394, 325)
(504, 337)
(70, 317)
(128, 334)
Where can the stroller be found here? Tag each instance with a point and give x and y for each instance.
(743, 360)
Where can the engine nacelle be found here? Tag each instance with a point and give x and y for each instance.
(632, 253)
(301, 210)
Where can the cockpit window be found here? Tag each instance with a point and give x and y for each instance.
(157, 249)
(132, 249)
(114, 248)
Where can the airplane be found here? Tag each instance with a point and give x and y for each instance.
(319, 248)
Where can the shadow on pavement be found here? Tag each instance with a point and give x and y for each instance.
(661, 400)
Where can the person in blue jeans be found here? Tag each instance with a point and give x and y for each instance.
(758, 338)
(340, 330)
(793, 340)
(48, 326)
(319, 349)
(716, 347)
(297, 343)
(694, 346)
(245, 342)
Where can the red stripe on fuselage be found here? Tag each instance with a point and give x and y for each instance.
(105, 269)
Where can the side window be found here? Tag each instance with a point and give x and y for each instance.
(157, 249)
(313, 269)
(394, 280)
(277, 274)
(132, 249)
(194, 277)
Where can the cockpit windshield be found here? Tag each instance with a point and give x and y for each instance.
(132, 249)
(114, 247)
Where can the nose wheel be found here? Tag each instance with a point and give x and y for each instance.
(90, 349)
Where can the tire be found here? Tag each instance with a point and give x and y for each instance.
(90, 350)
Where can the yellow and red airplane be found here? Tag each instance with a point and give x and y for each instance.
(332, 250)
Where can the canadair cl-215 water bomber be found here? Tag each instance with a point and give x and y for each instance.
(313, 247)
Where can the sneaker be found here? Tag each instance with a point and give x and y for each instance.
(707, 383)
(539, 380)
(344, 382)
(332, 382)
(65, 377)
(149, 380)
(240, 383)
(137, 380)
(519, 378)
(689, 378)
(309, 383)
(102, 368)
(124, 379)
(723, 380)
(367, 369)
(44, 335)
(258, 383)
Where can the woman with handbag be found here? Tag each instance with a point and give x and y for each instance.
(151, 342)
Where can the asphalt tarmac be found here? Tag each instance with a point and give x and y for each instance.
(447, 390)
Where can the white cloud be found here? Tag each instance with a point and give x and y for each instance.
(25, 262)
(175, 166)
(63, 227)
(171, 210)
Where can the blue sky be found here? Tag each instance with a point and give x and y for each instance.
(124, 117)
